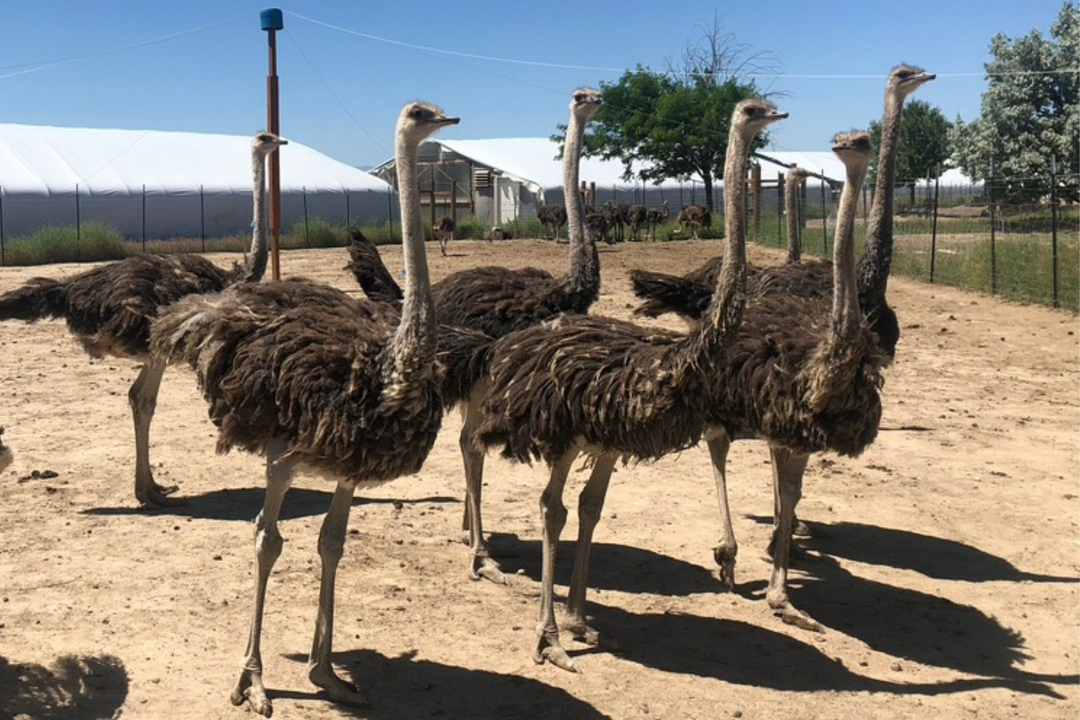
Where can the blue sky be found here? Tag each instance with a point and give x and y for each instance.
(347, 67)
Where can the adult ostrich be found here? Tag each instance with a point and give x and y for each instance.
(110, 307)
(609, 389)
(444, 230)
(496, 301)
(802, 377)
(553, 216)
(811, 280)
(316, 380)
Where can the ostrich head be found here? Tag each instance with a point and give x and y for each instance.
(753, 115)
(265, 143)
(420, 120)
(586, 103)
(906, 79)
(854, 149)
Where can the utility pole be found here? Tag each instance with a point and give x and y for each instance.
(272, 21)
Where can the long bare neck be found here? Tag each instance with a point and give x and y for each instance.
(846, 315)
(416, 331)
(255, 267)
(875, 265)
(729, 299)
(791, 207)
(584, 273)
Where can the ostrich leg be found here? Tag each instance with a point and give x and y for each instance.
(142, 396)
(553, 512)
(725, 553)
(331, 547)
(481, 563)
(788, 469)
(267, 550)
(590, 503)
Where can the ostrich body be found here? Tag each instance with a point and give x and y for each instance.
(637, 217)
(554, 217)
(444, 229)
(496, 301)
(804, 378)
(616, 214)
(313, 379)
(608, 389)
(656, 217)
(811, 281)
(109, 310)
(370, 272)
(696, 217)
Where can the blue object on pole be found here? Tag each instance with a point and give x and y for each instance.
(271, 19)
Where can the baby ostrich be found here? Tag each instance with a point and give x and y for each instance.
(109, 310)
(803, 378)
(688, 295)
(655, 218)
(444, 229)
(637, 216)
(608, 389)
(315, 380)
(6, 455)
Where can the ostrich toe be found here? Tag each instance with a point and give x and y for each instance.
(337, 689)
(725, 558)
(548, 648)
(249, 688)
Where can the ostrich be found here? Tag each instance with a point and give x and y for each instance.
(655, 217)
(609, 389)
(370, 272)
(445, 231)
(313, 379)
(553, 216)
(688, 295)
(6, 455)
(803, 378)
(597, 224)
(109, 310)
(495, 301)
(637, 216)
(696, 217)
(616, 214)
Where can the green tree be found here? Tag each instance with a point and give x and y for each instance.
(1030, 113)
(924, 144)
(675, 124)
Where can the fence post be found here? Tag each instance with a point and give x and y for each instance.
(3, 260)
(824, 222)
(390, 215)
(1053, 226)
(348, 212)
(144, 217)
(307, 236)
(933, 231)
(755, 176)
(780, 185)
(78, 226)
(993, 233)
(202, 218)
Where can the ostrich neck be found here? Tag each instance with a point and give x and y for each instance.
(729, 299)
(257, 254)
(417, 327)
(875, 264)
(846, 316)
(791, 207)
(584, 273)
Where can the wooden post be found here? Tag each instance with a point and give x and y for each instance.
(755, 173)
(272, 21)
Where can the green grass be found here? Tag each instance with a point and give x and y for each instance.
(57, 244)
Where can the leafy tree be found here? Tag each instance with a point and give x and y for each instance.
(1030, 112)
(924, 144)
(675, 124)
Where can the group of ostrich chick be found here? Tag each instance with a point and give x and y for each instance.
(316, 380)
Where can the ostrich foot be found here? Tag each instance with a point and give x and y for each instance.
(800, 529)
(484, 568)
(789, 614)
(249, 688)
(549, 648)
(154, 495)
(795, 551)
(337, 689)
(725, 558)
(585, 633)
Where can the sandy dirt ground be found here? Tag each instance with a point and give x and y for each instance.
(945, 565)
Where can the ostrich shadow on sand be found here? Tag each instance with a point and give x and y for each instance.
(934, 557)
(747, 654)
(75, 687)
(243, 504)
(403, 687)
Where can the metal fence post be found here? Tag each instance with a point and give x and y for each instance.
(993, 233)
(933, 231)
(144, 217)
(202, 218)
(78, 225)
(824, 222)
(1053, 226)
(307, 235)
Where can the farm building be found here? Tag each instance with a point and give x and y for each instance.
(156, 184)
